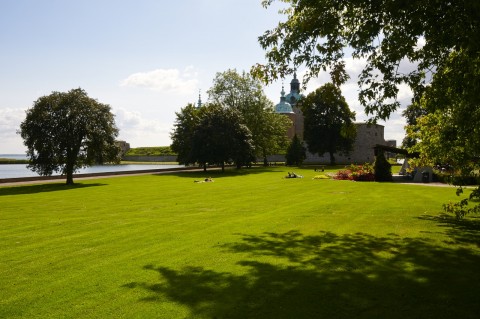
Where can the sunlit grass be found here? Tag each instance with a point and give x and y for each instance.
(252, 244)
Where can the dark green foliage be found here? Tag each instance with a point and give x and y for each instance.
(329, 126)
(67, 131)
(212, 135)
(296, 152)
(185, 125)
(221, 137)
(382, 168)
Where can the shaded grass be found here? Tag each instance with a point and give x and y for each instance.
(250, 245)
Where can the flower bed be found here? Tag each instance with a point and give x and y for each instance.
(359, 173)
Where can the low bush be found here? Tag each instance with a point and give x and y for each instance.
(359, 173)
(382, 168)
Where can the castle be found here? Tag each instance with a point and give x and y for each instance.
(368, 135)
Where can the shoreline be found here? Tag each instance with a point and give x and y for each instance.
(51, 179)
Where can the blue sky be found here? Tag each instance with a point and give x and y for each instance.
(145, 58)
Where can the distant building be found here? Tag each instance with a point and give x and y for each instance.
(124, 147)
(368, 135)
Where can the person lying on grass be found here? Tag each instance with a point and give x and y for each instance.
(293, 175)
(206, 180)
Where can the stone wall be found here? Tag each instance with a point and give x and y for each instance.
(367, 137)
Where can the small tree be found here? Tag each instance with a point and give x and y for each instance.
(296, 152)
(329, 124)
(64, 132)
(382, 168)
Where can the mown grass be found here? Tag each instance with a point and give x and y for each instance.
(249, 245)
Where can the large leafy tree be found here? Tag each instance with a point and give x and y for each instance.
(245, 94)
(328, 124)
(385, 33)
(67, 131)
(221, 137)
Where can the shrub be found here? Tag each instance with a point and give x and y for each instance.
(382, 168)
(344, 174)
(360, 173)
(296, 152)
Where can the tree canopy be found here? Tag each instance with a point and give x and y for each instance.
(186, 123)
(245, 94)
(212, 134)
(328, 124)
(388, 34)
(221, 137)
(67, 131)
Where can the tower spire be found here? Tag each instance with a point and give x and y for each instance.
(295, 84)
(199, 103)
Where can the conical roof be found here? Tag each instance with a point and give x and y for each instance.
(283, 106)
(294, 96)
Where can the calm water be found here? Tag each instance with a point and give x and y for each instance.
(21, 170)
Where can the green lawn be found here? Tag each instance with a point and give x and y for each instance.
(249, 245)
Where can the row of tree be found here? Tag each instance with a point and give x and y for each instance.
(237, 125)
(65, 131)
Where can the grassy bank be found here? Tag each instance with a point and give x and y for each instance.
(12, 161)
(249, 245)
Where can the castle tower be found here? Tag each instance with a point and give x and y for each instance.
(283, 107)
(294, 99)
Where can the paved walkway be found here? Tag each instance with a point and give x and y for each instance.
(402, 180)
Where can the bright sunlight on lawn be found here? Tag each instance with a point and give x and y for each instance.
(249, 245)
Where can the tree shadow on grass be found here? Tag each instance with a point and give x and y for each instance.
(461, 231)
(290, 275)
(43, 188)
(229, 172)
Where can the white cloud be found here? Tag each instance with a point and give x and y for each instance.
(140, 131)
(10, 120)
(170, 80)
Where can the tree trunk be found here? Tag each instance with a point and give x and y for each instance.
(204, 167)
(223, 167)
(69, 172)
(332, 159)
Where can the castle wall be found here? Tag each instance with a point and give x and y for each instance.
(367, 137)
(298, 122)
(291, 130)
